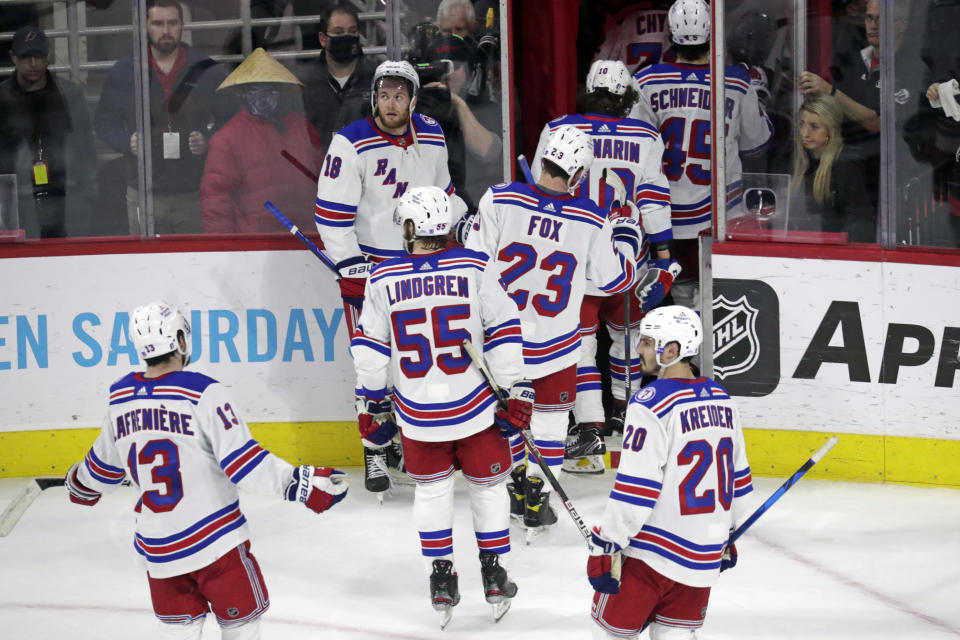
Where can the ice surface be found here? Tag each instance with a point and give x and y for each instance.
(831, 560)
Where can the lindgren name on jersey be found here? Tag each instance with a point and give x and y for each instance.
(428, 285)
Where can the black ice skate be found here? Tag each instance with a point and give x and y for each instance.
(516, 490)
(538, 514)
(497, 586)
(395, 456)
(376, 477)
(584, 452)
(444, 593)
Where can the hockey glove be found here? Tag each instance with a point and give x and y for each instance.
(603, 565)
(319, 488)
(353, 280)
(79, 493)
(462, 228)
(656, 283)
(626, 237)
(729, 559)
(375, 421)
(516, 417)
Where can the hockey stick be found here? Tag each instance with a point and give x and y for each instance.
(292, 228)
(502, 403)
(525, 168)
(792, 480)
(620, 192)
(299, 165)
(22, 501)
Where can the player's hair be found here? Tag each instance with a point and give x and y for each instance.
(451, 7)
(432, 243)
(165, 4)
(828, 110)
(152, 362)
(689, 52)
(603, 102)
(553, 170)
(337, 7)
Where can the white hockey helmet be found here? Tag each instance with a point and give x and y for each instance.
(611, 75)
(395, 69)
(428, 208)
(673, 323)
(570, 149)
(154, 328)
(689, 22)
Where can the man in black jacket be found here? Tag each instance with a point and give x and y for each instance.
(184, 112)
(337, 86)
(46, 140)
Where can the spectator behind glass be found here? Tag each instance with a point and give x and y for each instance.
(184, 111)
(477, 118)
(828, 181)
(337, 85)
(457, 17)
(46, 140)
(263, 153)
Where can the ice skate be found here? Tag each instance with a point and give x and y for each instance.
(538, 514)
(516, 490)
(614, 425)
(444, 593)
(584, 450)
(497, 586)
(376, 477)
(395, 465)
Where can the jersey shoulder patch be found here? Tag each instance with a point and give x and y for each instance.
(426, 124)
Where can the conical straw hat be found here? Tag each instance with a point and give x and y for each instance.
(259, 67)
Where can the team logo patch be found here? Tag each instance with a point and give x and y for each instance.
(495, 467)
(564, 396)
(647, 393)
(428, 119)
(233, 612)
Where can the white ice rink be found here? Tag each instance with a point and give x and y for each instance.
(831, 560)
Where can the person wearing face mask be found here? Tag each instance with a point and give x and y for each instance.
(260, 153)
(337, 85)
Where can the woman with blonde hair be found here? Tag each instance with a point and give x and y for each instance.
(828, 179)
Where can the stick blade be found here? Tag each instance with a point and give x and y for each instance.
(11, 515)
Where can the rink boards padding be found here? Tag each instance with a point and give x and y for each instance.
(855, 341)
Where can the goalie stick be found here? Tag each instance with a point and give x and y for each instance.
(502, 403)
(792, 480)
(22, 501)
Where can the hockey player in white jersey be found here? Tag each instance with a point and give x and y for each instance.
(418, 311)
(370, 164)
(636, 34)
(548, 243)
(182, 440)
(680, 488)
(632, 150)
(676, 98)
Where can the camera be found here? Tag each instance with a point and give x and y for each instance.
(435, 71)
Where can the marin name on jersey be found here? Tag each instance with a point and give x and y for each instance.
(686, 97)
(428, 285)
(153, 419)
(710, 415)
(607, 149)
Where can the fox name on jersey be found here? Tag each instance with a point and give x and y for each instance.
(364, 173)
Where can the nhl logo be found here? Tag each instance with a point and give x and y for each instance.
(736, 347)
(564, 396)
(233, 612)
(495, 467)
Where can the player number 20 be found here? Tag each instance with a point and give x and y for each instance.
(702, 456)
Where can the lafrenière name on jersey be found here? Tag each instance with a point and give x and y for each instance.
(153, 419)
(434, 284)
(616, 150)
(686, 97)
(710, 415)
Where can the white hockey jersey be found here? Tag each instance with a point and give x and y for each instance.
(547, 246)
(638, 35)
(364, 174)
(418, 311)
(183, 442)
(676, 98)
(682, 480)
(632, 149)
